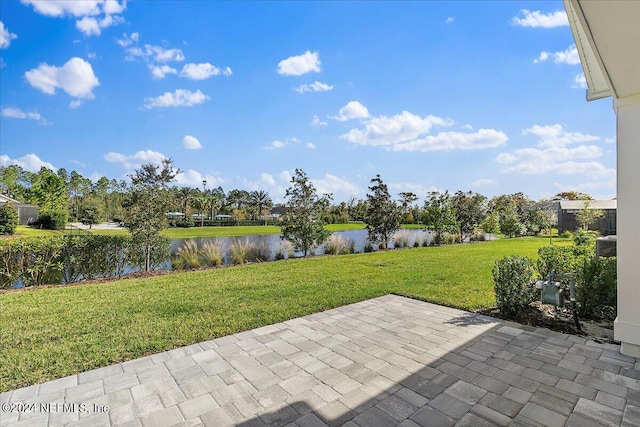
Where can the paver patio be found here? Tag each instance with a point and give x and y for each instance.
(382, 362)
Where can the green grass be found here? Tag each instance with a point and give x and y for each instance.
(54, 332)
(230, 231)
(25, 231)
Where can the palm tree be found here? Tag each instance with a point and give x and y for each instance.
(184, 195)
(201, 202)
(260, 200)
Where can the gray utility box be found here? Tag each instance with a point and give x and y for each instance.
(606, 246)
(550, 293)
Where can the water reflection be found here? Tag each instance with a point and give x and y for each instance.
(273, 244)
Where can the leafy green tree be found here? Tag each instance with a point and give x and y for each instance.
(470, 211)
(92, 211)
(491, 223)
(8, 218)
(383, 215)
(357, 209)
(406, 201)
(587, 216)
(302, 224)
(572, 195)
(439, 215)
(538, 220)
(146, 203)
(13, 181)
(511, 226)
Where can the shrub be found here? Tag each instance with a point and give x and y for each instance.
(212, 253)
(337, 245)
(513, 277)
(240, 251)
(416, 243)
(54, 220)
(8, 218)
(585, 238)
(368, 247)
(596, 286)
(188, 256)
(566, 234)
(401, 239)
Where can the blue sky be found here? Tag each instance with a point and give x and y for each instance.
(481, 96)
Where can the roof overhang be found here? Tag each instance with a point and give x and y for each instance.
(607, 36)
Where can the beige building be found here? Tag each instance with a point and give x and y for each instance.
(607, 36)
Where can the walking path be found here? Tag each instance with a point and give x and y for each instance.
(382, 362)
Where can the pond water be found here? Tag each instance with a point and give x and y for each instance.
(272, 244)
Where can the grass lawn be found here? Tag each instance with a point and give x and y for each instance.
(230, 231)
(54, 332)
(25, 231)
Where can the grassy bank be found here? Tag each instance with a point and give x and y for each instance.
(230, 231)
(54, 332)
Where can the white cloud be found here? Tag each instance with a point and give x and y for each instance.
(191, 143)
(136, 160)
(29, 162)
(538, 19)
(580, 82)
(94, 14)
(353, 110)
(91, 26)
(468, 127)
(193, 178)
(285, 176)
(299, 65)
(75, 104)
(203, 71)
(267, 179)
(75, 77)
(178, 98)
(569, 56)
(6, 36)
(58, 8)
(159, 72)
(314, 87)
(482, 182)
(156, 53)
(506, 158)
(114, 7)
(279, 144)
(128, 40)
(450, 19)
(556, 155)
(383, 130)
(557, 136)
(339, 187)
(446, 141)
(310, 145)
(275, 145)
(16, 113)
(317, 122)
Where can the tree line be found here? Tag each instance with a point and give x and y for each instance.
(63, 196)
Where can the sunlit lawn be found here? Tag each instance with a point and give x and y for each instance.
(54, 332)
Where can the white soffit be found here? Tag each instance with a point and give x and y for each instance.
(598, 86)
(607, 36)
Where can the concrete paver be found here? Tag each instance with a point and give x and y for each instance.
(386, 361)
